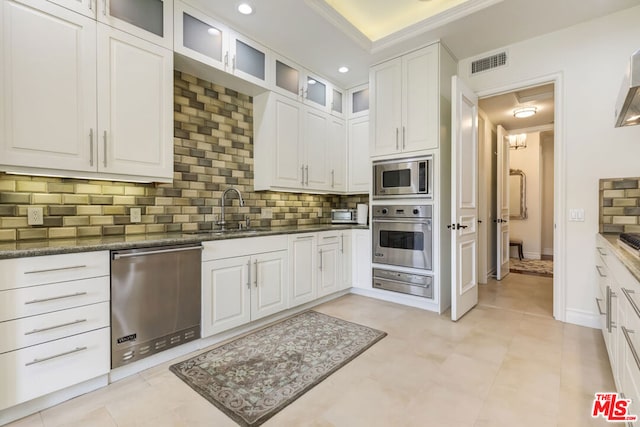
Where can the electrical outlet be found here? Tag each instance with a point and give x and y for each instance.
(135, 215)
(319, 212)
(266, 213)
(35, 216)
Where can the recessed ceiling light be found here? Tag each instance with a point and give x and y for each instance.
(245, 9)
(311, 81)
(523, 112)
(343, 69)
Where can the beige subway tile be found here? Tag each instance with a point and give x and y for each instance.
(613, 211)
(164, 201)
(90, 210)
(135, 229)
(113, 189)
(114, 210)
(15, 198)
(124, 200)
(625, 220)
(88, 189)
(89, 231)
(32, 233)
(632, 192)
(62, 232)
(181, 218)
(75, 199)
(155, 228)
(7, 185)
(13, 222)
(632, 228)
(58, 187)
(134, 191)
(101, 220)
(625, 202)
(155, 210)
(190, 210)
(31, 186)
(7, 235)
(75, 221)
(46, 199)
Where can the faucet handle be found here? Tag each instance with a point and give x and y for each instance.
(247, 221)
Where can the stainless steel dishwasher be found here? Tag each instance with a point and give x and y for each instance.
(155, 300)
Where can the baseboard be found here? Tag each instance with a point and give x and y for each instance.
(547, 251)
(41, 403)
(582, 318)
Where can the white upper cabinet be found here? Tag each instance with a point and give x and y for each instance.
(135, 114)
(201, 37)
(85, 7)
(404, 107)
(358, 102)
(294, 81)
(98, 104)
(47, 105)
(151, 20)
(359, 166)
(337, 154)
(337, 101)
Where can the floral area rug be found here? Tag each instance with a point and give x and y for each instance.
(253, 377)
(538, 267)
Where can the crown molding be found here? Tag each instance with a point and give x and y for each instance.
(330, 14)
(431, 23)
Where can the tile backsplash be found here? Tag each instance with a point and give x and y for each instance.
(213, 149)
(620, 205)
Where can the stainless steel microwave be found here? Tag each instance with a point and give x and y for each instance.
(403, 178)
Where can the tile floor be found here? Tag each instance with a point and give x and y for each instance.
(506, 363)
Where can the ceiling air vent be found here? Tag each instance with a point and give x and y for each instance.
(489, 63)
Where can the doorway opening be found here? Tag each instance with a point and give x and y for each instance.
(521, 181)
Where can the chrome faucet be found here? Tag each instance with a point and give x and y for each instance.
(222, 222)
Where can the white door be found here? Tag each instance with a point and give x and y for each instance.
(269, 277)
(464, 199)
(47, 87)
(346, 250)
(135, 106)
(302, 280)
(359, 165)
(225, 294)
(502, 199)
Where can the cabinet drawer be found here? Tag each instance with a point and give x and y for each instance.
(221, 249)
(21, 272)
(36, 371)
(23, 302)
(21, 333)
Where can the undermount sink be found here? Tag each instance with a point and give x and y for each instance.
(223, 232)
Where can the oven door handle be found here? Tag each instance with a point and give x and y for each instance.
(403, 220)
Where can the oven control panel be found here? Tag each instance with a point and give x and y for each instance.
(402, 211)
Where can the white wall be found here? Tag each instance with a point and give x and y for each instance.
(530, 229)
(591, 59)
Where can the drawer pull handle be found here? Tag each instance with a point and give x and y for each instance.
(626, 333)
(71, 267)
(627, 293)
(44, 359)
(33, 301)
(603, 253)
(600, 271)
(602, 313)
(35, 331)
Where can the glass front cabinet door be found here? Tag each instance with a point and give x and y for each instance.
(151, 20)
(249, 60)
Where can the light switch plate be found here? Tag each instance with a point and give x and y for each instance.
(266, 213)
(319, 212)
(576, 215)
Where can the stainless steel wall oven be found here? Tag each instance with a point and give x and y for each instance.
(403, 235)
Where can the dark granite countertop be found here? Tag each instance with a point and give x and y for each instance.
(628, 260)
(88, 244)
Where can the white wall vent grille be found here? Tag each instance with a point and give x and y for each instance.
(489, 62)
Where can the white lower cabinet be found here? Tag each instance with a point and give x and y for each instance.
(329, 268)
(361, 259)
(302, 278)
(619, 307)
(251, 282)
(54, 324)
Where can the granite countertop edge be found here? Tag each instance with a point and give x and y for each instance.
(105, 243)
(632, 264)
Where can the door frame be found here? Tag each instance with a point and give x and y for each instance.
(559, 181)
